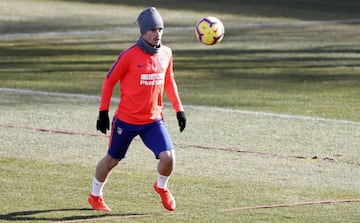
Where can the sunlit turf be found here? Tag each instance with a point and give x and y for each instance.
(303, 69)
(56, 196)
(269, 61)
(298, 70)
(47, 176)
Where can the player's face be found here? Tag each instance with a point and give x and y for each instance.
(153, 36)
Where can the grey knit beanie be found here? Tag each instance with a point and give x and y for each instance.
(149, 19)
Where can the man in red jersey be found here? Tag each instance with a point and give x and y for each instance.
(144, 71)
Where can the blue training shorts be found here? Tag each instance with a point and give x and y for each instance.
(154, 135)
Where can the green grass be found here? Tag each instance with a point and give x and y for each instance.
(274, 65)
(47, 176)
(310, 69)
(68, 204)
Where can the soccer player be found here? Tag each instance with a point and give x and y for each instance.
(145, 71)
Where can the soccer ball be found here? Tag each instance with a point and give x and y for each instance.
(209, 30)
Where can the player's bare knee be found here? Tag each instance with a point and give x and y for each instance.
(109, 162)
(113, 163)
(167, 159)
(167, 156)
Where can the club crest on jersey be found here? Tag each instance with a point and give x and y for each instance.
(162, 62)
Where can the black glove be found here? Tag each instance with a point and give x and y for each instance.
(181, 120)
(103, 121)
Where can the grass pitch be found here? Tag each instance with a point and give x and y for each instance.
(265, 63)
(270, 61)
(47, 175)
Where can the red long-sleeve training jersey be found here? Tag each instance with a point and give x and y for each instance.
(143, 78)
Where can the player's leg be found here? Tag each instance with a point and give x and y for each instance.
(157, 138)
(104, 167)
(165, 167)
(103, 170)
(120, 139)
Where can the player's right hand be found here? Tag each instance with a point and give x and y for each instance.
(103, 122)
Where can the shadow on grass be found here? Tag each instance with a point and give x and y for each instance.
(87, 214)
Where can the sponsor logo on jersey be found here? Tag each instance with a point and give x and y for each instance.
(152, 79)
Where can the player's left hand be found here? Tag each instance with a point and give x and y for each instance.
(181, 120)
(103, 122)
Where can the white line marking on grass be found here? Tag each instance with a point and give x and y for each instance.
(297, 23)
(270, 114)
(134, 29)
(46, 93)
(82, 32)
(195, 107)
